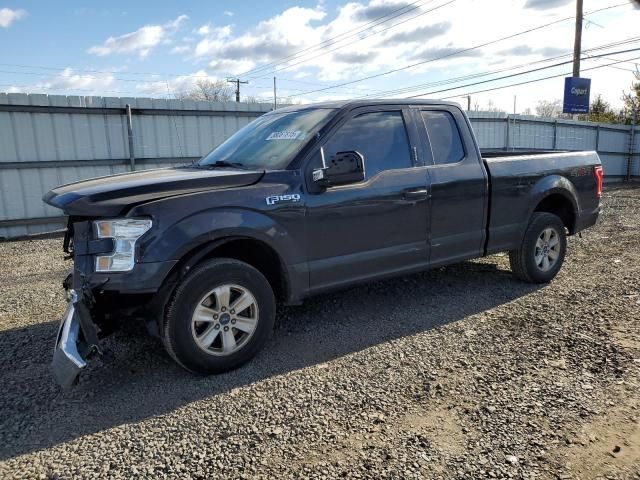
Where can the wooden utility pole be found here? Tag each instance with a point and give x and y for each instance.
(577, 44)
(237, 82)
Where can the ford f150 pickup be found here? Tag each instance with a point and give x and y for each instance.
(303, 200)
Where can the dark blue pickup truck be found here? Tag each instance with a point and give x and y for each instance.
(304, 200)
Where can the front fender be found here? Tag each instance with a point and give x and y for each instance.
(207, 226)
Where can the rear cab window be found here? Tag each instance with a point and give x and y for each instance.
(444, 136)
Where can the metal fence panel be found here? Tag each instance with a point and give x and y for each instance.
(46, 147)
(49, 140)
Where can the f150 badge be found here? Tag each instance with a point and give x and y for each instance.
(291, 197)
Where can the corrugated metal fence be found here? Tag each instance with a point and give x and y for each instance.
(618, 147)
(51, 140)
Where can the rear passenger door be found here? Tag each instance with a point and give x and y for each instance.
(378, 226)
(458, 185)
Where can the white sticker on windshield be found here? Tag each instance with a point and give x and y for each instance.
(285, 135)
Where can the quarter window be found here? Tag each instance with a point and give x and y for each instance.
(444, 136)
(380, 137)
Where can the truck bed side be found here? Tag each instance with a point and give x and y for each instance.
(562, 183)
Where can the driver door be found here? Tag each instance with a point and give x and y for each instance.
(374, 227)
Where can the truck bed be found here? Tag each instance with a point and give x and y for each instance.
(518, 181)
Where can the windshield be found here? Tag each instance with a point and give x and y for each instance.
(269, 142)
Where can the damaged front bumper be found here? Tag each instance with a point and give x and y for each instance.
(67, 362)
(77, 337)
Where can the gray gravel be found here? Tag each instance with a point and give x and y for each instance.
(461, 372)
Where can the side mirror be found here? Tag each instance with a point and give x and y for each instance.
(343, 168)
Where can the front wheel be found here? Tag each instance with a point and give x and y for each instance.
(220, 316)
(542, 251)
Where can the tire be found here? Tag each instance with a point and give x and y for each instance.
(545, 236)
(201, 310)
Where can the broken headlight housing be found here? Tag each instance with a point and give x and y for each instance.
(125, 232)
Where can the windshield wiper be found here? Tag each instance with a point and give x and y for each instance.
(221, 163)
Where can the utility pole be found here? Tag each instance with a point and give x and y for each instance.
(514, 104)
(275, 99)
(237, 82)
(577, 44)
(468, 103)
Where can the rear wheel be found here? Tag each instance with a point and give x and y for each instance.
(219, 317)
(541, 253)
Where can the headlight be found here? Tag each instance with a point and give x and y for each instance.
(125, 232)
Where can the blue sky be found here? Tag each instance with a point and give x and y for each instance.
(144, 48)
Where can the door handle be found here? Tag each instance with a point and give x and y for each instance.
(412, 193)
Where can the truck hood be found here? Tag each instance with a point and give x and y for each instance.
(112, 195)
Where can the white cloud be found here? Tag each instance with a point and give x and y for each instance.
(269, 39)
(204, 29)
(70, 80)
(342, 55)
(230, 66)
(8, 16)
(174, 86)
(177, 23)
(180, 49)
(422, 36)
(228, 13)
(142, 41)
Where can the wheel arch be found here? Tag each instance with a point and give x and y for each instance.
(251, 250)
(557, 195)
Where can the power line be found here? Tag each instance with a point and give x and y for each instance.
(159, 78)
(324, 43)
(464, 50)
(410, 88)
(534, 80)
(526, 72)
(360, 39)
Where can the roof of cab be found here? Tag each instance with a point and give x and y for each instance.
(349, 104)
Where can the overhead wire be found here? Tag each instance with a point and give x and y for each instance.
(458, 52)
(564, 74)
(385, 18)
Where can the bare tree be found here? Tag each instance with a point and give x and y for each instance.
(491, 107)
(208, 90)
(549, 108)
(288, 101)
(632, 99)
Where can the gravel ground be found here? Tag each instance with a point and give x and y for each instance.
(461, 372)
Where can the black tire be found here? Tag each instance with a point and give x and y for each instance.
(177, 325)
(523, 260)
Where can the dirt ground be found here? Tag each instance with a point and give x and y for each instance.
(461, 372)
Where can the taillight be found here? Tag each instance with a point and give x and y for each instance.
(598, 174)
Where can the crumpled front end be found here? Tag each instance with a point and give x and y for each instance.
(77, 335)
(100, 300)
(67, 361)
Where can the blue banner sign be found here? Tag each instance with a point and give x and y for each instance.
(576, 95)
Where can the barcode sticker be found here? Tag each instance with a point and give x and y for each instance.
(285, 135)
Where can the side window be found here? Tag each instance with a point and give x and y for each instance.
(444, 136)
(380, 137)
